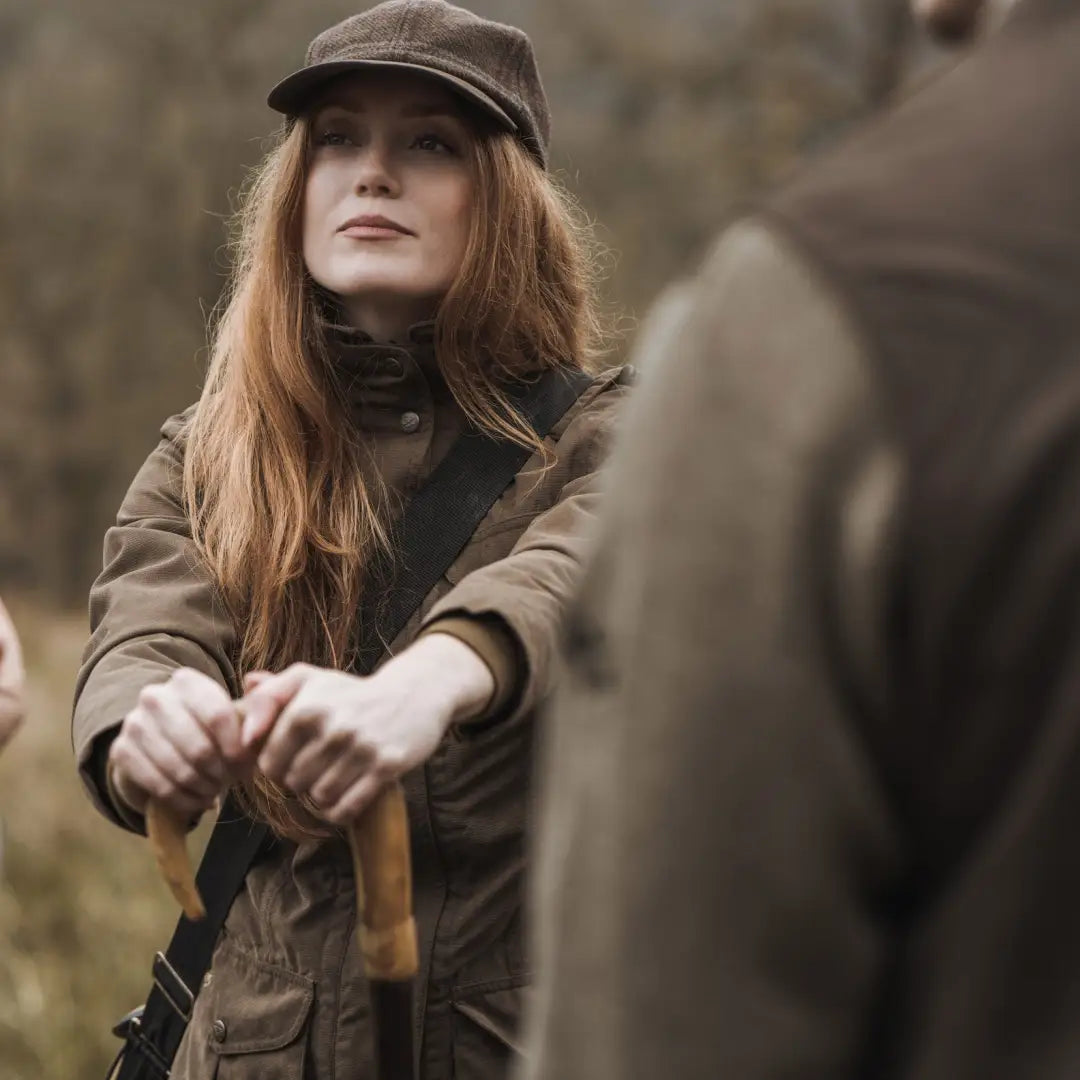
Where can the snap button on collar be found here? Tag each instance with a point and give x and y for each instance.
(410, 422)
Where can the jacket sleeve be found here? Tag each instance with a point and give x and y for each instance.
(153, 609)
(522, 596)
(713, 828)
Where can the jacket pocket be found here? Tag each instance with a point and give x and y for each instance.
(250, 1022)
(487, 1021)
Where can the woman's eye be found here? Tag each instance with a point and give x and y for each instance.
(433, 143)
(332, 138)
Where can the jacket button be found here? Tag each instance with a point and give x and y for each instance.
(393, 366)
(219, 1031)
(410, 422)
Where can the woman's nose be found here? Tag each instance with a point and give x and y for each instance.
(377, 175)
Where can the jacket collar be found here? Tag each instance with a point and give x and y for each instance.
(358, 355)
(386, 377)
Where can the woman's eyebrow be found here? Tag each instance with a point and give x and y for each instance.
(411, 112)
(334, 107)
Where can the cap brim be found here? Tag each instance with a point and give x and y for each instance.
(295, 94)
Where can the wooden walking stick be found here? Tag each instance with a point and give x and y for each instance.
(379, 840)
(167, 833)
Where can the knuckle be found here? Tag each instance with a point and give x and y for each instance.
(221, 717)
(152, 695)
(120, 753)
(181, 676)
(134, 724)
(184, 775)
(158, 787)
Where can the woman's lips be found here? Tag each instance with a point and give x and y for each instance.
(373, 227)
(373, 232)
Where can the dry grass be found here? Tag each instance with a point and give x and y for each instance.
(81, 908)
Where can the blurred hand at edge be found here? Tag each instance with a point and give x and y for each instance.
(12, 678)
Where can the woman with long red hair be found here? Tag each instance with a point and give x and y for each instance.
(404, 266)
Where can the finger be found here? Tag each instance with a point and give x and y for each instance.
(300, 725)
(216, 712)
(335, 780)
(308, 765)
(184, 731)
(263, 705)
(355, 800)
(138, 780)
(144, 733)
(255, 678)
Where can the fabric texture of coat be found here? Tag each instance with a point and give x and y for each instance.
(814, 776)
(285, 998)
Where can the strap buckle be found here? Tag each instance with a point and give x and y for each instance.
(138, 1050)
(174, 989)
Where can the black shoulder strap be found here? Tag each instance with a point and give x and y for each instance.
(437, 524)
(434, 527)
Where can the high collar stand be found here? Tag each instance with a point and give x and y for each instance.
(380, 377)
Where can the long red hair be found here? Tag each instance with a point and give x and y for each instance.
(280, 506)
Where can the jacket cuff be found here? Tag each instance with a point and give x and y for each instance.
(99, 772)
(491, 638)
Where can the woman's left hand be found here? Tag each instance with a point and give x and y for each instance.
(338, 738)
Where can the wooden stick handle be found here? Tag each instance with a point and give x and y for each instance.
(380, 849)
(167, 833)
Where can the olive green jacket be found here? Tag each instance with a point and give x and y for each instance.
(286, 997)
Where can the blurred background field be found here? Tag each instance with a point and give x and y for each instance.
(81, 907)
(128, 126)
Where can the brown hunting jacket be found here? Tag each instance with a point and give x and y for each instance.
(286, 998)
(814, 785)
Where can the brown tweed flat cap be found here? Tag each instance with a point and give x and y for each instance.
(489, 64)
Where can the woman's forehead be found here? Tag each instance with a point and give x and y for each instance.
(403, 93)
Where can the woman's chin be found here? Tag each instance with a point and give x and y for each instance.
(387, 282)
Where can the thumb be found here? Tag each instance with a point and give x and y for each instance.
(266, 696)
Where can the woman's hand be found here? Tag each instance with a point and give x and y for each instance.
(12, 678)
(180, 745)
(339, 738)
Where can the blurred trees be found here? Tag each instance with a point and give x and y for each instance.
(128, 125)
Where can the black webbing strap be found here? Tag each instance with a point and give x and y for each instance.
(437, 524)
(153, 1036)
(434, 528)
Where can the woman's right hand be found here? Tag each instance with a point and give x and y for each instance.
(180, 745)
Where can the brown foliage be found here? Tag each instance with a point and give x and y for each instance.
(127, 125)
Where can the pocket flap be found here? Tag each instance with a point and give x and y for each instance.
(254, 1007)
(498, 1012)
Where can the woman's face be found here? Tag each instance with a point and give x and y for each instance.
(388, 197)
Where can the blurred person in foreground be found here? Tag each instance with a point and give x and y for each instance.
(814, 778)
(12, 678)
(406, 265)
